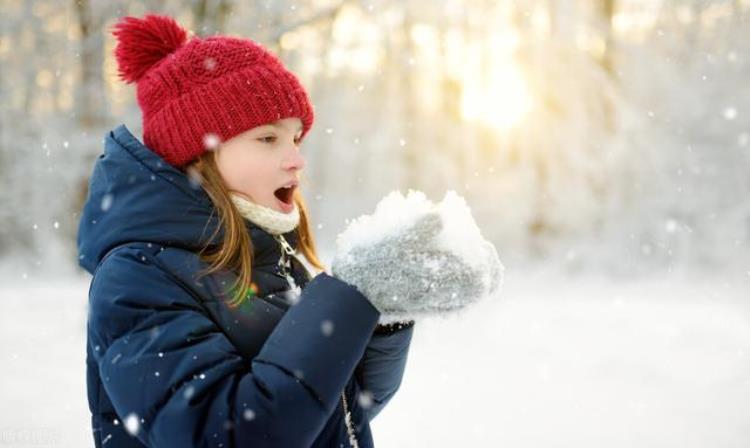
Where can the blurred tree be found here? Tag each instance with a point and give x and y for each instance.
(92, 110)
(210, 16)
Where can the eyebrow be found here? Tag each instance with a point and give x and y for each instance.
(299, 128)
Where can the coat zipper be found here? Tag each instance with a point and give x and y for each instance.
(285, 261)
(285, 266)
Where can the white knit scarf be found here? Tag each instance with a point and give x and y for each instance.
(270, 220)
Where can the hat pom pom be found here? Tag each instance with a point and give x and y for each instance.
(141, 43)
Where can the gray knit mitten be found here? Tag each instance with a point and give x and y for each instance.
(410, 274)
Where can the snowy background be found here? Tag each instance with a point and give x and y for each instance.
(603, 146)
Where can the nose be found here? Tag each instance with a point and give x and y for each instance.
(294, 160)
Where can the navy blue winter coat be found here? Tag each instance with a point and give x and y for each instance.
(168, 358)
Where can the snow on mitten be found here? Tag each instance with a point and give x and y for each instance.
(398, 258)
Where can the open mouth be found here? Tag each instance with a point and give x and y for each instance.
(285, 195)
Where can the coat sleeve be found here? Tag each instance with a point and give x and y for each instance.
(381, 369)
(176, 380)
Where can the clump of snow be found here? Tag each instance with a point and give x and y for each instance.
(458, 235)
(457, 264)
(393, 213)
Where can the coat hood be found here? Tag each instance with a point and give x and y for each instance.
(135, 195)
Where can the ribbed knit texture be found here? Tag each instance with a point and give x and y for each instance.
(203, 88)
(268, 219)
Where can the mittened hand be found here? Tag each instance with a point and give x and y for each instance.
(411, 272)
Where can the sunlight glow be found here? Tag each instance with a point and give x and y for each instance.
(495, 93)
(357, 46)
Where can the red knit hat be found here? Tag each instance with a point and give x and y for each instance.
(192, 92)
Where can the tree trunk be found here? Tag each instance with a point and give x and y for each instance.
(92, 110)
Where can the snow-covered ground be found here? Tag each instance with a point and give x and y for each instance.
(557, 362)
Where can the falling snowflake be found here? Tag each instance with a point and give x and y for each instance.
(211, 141)
(730, 113)
(293, 295)
(248, 415)
(132, 423)
(365, 399)
(209, 63)
(670, 226)
(194, 176)
(326, 327)
(189, 392)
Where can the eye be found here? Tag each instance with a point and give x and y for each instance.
(268, 139)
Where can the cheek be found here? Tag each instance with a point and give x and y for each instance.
(244, 172)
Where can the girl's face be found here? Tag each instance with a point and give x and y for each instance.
(263, 163)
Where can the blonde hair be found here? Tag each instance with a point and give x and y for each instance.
(235, 251)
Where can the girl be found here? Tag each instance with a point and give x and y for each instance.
(204, 327)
